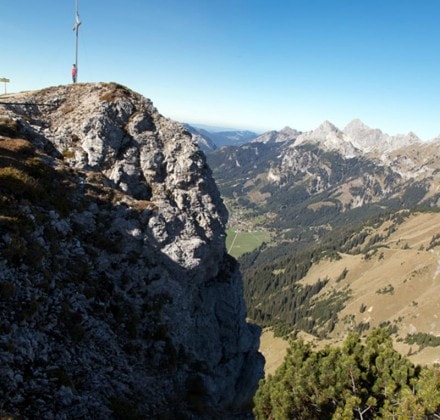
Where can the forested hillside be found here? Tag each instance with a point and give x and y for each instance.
(382, 273)
(335, 207)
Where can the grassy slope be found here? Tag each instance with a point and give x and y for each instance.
(274, 350)
(413, 306)
(401, 264)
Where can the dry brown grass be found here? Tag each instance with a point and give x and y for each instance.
(8, 127)
(20, 146)
(115, 91)
(143, 205)
(16, 162)
(274, 350)
(402, 261)
(25, 174)
(18, 182)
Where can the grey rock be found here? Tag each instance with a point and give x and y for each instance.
(122, 296)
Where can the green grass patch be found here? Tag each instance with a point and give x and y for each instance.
(238, 243)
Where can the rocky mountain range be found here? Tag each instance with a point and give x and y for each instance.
(332, 203)
(281, 136)
(118, 299)
(280, 175)
(355, 139)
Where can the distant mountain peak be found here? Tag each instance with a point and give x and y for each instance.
(327, 126)
(412, 137)
(328, 137)
(287, 129)
(356, 139)
(288, 133)
(355, 126)
(285, 134)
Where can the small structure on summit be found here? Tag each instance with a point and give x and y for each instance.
(76, 29)
(4, 80)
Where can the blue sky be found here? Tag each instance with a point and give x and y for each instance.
(255, 64)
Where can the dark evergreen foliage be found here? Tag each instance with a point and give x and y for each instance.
(423, 340)
(356, 381)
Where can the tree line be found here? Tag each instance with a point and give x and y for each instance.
(271, 275)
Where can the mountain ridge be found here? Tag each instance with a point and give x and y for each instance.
(118, 297)
(390, 163)
(354, 139)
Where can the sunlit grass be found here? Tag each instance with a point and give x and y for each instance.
(238, 243)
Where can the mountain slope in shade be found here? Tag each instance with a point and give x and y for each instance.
(118, 299)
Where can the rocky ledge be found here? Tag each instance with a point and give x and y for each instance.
(118, 299)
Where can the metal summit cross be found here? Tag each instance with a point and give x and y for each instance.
(75, 28)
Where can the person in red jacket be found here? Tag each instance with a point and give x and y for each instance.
(74, 73)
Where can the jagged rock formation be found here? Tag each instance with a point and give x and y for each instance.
(352, 167)
(356, 139)
(118, 297)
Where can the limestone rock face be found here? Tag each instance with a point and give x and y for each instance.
(118, 297)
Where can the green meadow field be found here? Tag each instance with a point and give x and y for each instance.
(238, 243)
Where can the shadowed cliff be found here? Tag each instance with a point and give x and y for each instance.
(118, 297)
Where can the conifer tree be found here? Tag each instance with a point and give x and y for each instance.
(355, 381)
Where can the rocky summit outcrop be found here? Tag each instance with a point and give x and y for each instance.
(118, 299)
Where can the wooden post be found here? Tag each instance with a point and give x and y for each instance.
(4, 80)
